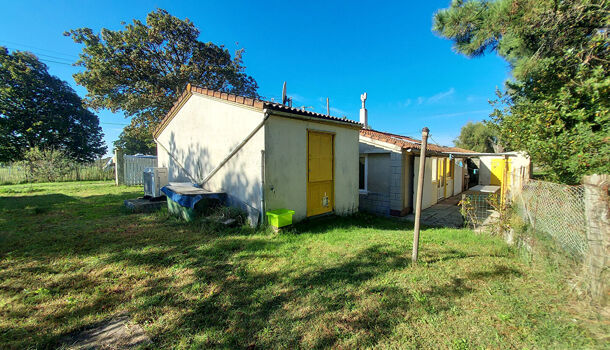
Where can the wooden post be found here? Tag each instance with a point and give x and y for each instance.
(597, 258)
(119, 167)
(420, 190)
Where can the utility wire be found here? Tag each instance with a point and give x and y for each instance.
(38, 48)
(51, 61)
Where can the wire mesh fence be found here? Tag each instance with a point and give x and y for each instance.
(554, 209)
(16, 174)
(557, 210)
(479, 208)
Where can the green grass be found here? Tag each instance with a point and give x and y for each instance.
(71, 257)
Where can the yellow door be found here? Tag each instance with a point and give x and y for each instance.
(319, 173)
(497, 172)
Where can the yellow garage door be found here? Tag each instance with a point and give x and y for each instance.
(320, 173)
(497, 171)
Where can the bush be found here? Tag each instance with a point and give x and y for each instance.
(46, 165)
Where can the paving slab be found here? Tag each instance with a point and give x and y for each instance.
(444, 214)
(116, 333)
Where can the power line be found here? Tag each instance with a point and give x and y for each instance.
(41, 54)
(51, 61)
(38, 48)
(114, 124)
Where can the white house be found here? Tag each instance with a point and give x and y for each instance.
(264, 155)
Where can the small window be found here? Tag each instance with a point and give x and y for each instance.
(363, 173)
(434, 169)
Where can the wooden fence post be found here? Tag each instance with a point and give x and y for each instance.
(420, 190)
(597, 218)
(119, 167)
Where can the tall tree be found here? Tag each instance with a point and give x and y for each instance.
(141, 69)
(556, 107)
(40, 110)
(478, 137)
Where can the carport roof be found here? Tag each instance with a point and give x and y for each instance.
(249, 102)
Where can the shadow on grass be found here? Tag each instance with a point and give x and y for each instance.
(242, 307)
(359, 220)
(228, 299)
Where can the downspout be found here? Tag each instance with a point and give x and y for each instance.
(233, 152)
(262, 220)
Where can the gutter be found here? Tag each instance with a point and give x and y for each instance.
(507, 154)
(316, 119)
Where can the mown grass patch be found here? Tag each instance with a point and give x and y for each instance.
(71, 256)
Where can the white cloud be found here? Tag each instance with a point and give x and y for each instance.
(435, 98)
(337, 112)
(440, 96)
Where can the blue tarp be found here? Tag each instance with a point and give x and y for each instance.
(188, 196)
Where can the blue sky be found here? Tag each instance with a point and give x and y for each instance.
(320, 48)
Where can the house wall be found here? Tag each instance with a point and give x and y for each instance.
(386, 180)
(286, 165)
(485, 169)
(429, 194)
(408, 189)
(518, 161)
(201, 135)
(379, 171)
(458, 177)
(396, 183)
(377, 197)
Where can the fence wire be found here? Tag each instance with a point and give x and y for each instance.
(479, 209)
(555, 209)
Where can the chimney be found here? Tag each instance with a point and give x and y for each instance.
(364, 118)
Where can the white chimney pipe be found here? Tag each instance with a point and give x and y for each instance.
(364, 118)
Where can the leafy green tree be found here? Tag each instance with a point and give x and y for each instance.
(556, 106)
(141, 69)
(40, 110)
(136, 140)
(478, 137)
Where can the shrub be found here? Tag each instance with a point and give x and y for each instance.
(46, 164)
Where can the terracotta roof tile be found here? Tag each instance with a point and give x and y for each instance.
(259, 104)
(406, 142)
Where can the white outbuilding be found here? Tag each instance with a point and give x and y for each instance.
(263, 155)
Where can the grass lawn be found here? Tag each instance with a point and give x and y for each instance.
(70, 256)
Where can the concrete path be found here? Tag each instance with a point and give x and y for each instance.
(443, 214)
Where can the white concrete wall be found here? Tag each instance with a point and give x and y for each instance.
(485, 169)
(518, 160)
(429, 197)
(286, 165)
(202, 134)
(458, 175)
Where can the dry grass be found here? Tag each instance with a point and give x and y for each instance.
(71, 257)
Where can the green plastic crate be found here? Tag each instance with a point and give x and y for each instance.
(280, 217)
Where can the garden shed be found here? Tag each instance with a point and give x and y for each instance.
(264, 155)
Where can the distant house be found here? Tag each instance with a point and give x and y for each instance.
(264, 155)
